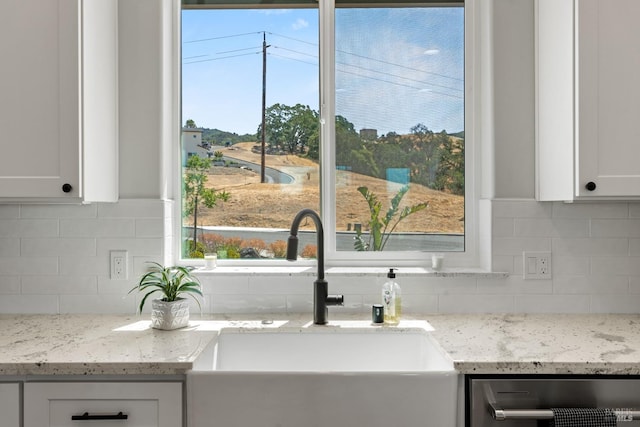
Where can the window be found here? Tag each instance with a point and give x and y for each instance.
(387, 170)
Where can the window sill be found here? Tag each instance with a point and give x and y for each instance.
(348, 271)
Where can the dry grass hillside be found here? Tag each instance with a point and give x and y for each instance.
(253, 204)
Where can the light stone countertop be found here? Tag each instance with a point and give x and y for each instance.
(477, 343)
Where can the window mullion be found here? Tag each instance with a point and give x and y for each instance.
(327, 123)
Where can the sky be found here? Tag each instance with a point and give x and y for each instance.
(395, 67)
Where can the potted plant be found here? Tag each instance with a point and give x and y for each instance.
(172, 310)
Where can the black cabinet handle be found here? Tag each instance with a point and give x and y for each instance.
(86, 416)
(67, 188)
(590, 186)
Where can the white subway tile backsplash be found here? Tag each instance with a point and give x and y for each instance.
(227, 285)
(100, 304)
(23, 266)
(29, 304)
(97, 227)
(615, 303)
(634, 210)
(615, 266)
(118, 287)
(144, 246)
(514, 284)
(508, 263)
(551, 227)
(84, 266)
(9, 211)
(438, 285)
(247, 303)
(475, 303)
(634, 285)
(590, 246)
(568, 265)
(590, 285)
(57, 247)
(503, 227)
(615, 228)
(58, 211)
(590, 210)
(10, 285)
(132, 208)
(59, 285)
(515, 245)
(28, 228)
(9, 247)
(416, 304)
(525, 208)
(149, 227)
(55, 259)
(552, 303)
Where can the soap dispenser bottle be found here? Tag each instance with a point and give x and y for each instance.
(391, 299)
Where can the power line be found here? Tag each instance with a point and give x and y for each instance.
(217, 59)
(401, 66)
(338, 63)
(221, 37)
(375, 71)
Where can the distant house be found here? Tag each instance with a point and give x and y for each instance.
(192, 144)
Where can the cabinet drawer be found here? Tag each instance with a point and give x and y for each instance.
(104, 413)
(58, 404)
(10, 404)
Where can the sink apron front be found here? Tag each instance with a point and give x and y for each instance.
(321, 399)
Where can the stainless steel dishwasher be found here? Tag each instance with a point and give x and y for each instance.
(524, 401)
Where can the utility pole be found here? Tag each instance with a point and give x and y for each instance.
(264, 106)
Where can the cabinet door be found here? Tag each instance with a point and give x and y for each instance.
(103, 404)
(608, 60)
(10, 404)
(39, 98)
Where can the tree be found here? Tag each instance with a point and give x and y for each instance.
(290, 127)
(190, 124)
(196, 194)
(451, 169)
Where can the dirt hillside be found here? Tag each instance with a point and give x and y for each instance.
(253, 204)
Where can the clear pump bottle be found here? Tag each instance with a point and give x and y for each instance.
(391, 299)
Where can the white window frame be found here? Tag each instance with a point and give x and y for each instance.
(469, 258)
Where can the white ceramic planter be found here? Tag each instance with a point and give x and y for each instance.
(169, 315)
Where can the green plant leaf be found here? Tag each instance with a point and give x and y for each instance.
(171, 281)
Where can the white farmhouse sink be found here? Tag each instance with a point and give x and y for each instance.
(318, 376)
(328, 351)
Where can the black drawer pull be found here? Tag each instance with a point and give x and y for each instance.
(86, 416)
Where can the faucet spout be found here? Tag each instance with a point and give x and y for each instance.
(321, 297)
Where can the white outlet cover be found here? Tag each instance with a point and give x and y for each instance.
(118, 266)
(536, 265)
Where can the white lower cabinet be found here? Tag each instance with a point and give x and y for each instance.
(103, 404)
(10, 404)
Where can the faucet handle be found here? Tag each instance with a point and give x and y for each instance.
(335, 300)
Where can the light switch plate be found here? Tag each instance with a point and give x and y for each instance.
(536, 265)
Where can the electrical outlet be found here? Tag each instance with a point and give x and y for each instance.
(537, 265)
(119, 270)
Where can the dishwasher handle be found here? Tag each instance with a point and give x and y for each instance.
(500, 414)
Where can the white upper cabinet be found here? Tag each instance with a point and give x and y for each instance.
(587, 100)
(58, 100)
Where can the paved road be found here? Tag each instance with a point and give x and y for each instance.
(272, 176)
(344, 240)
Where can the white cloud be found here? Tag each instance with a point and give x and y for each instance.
(300, 24)
(432, 51)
